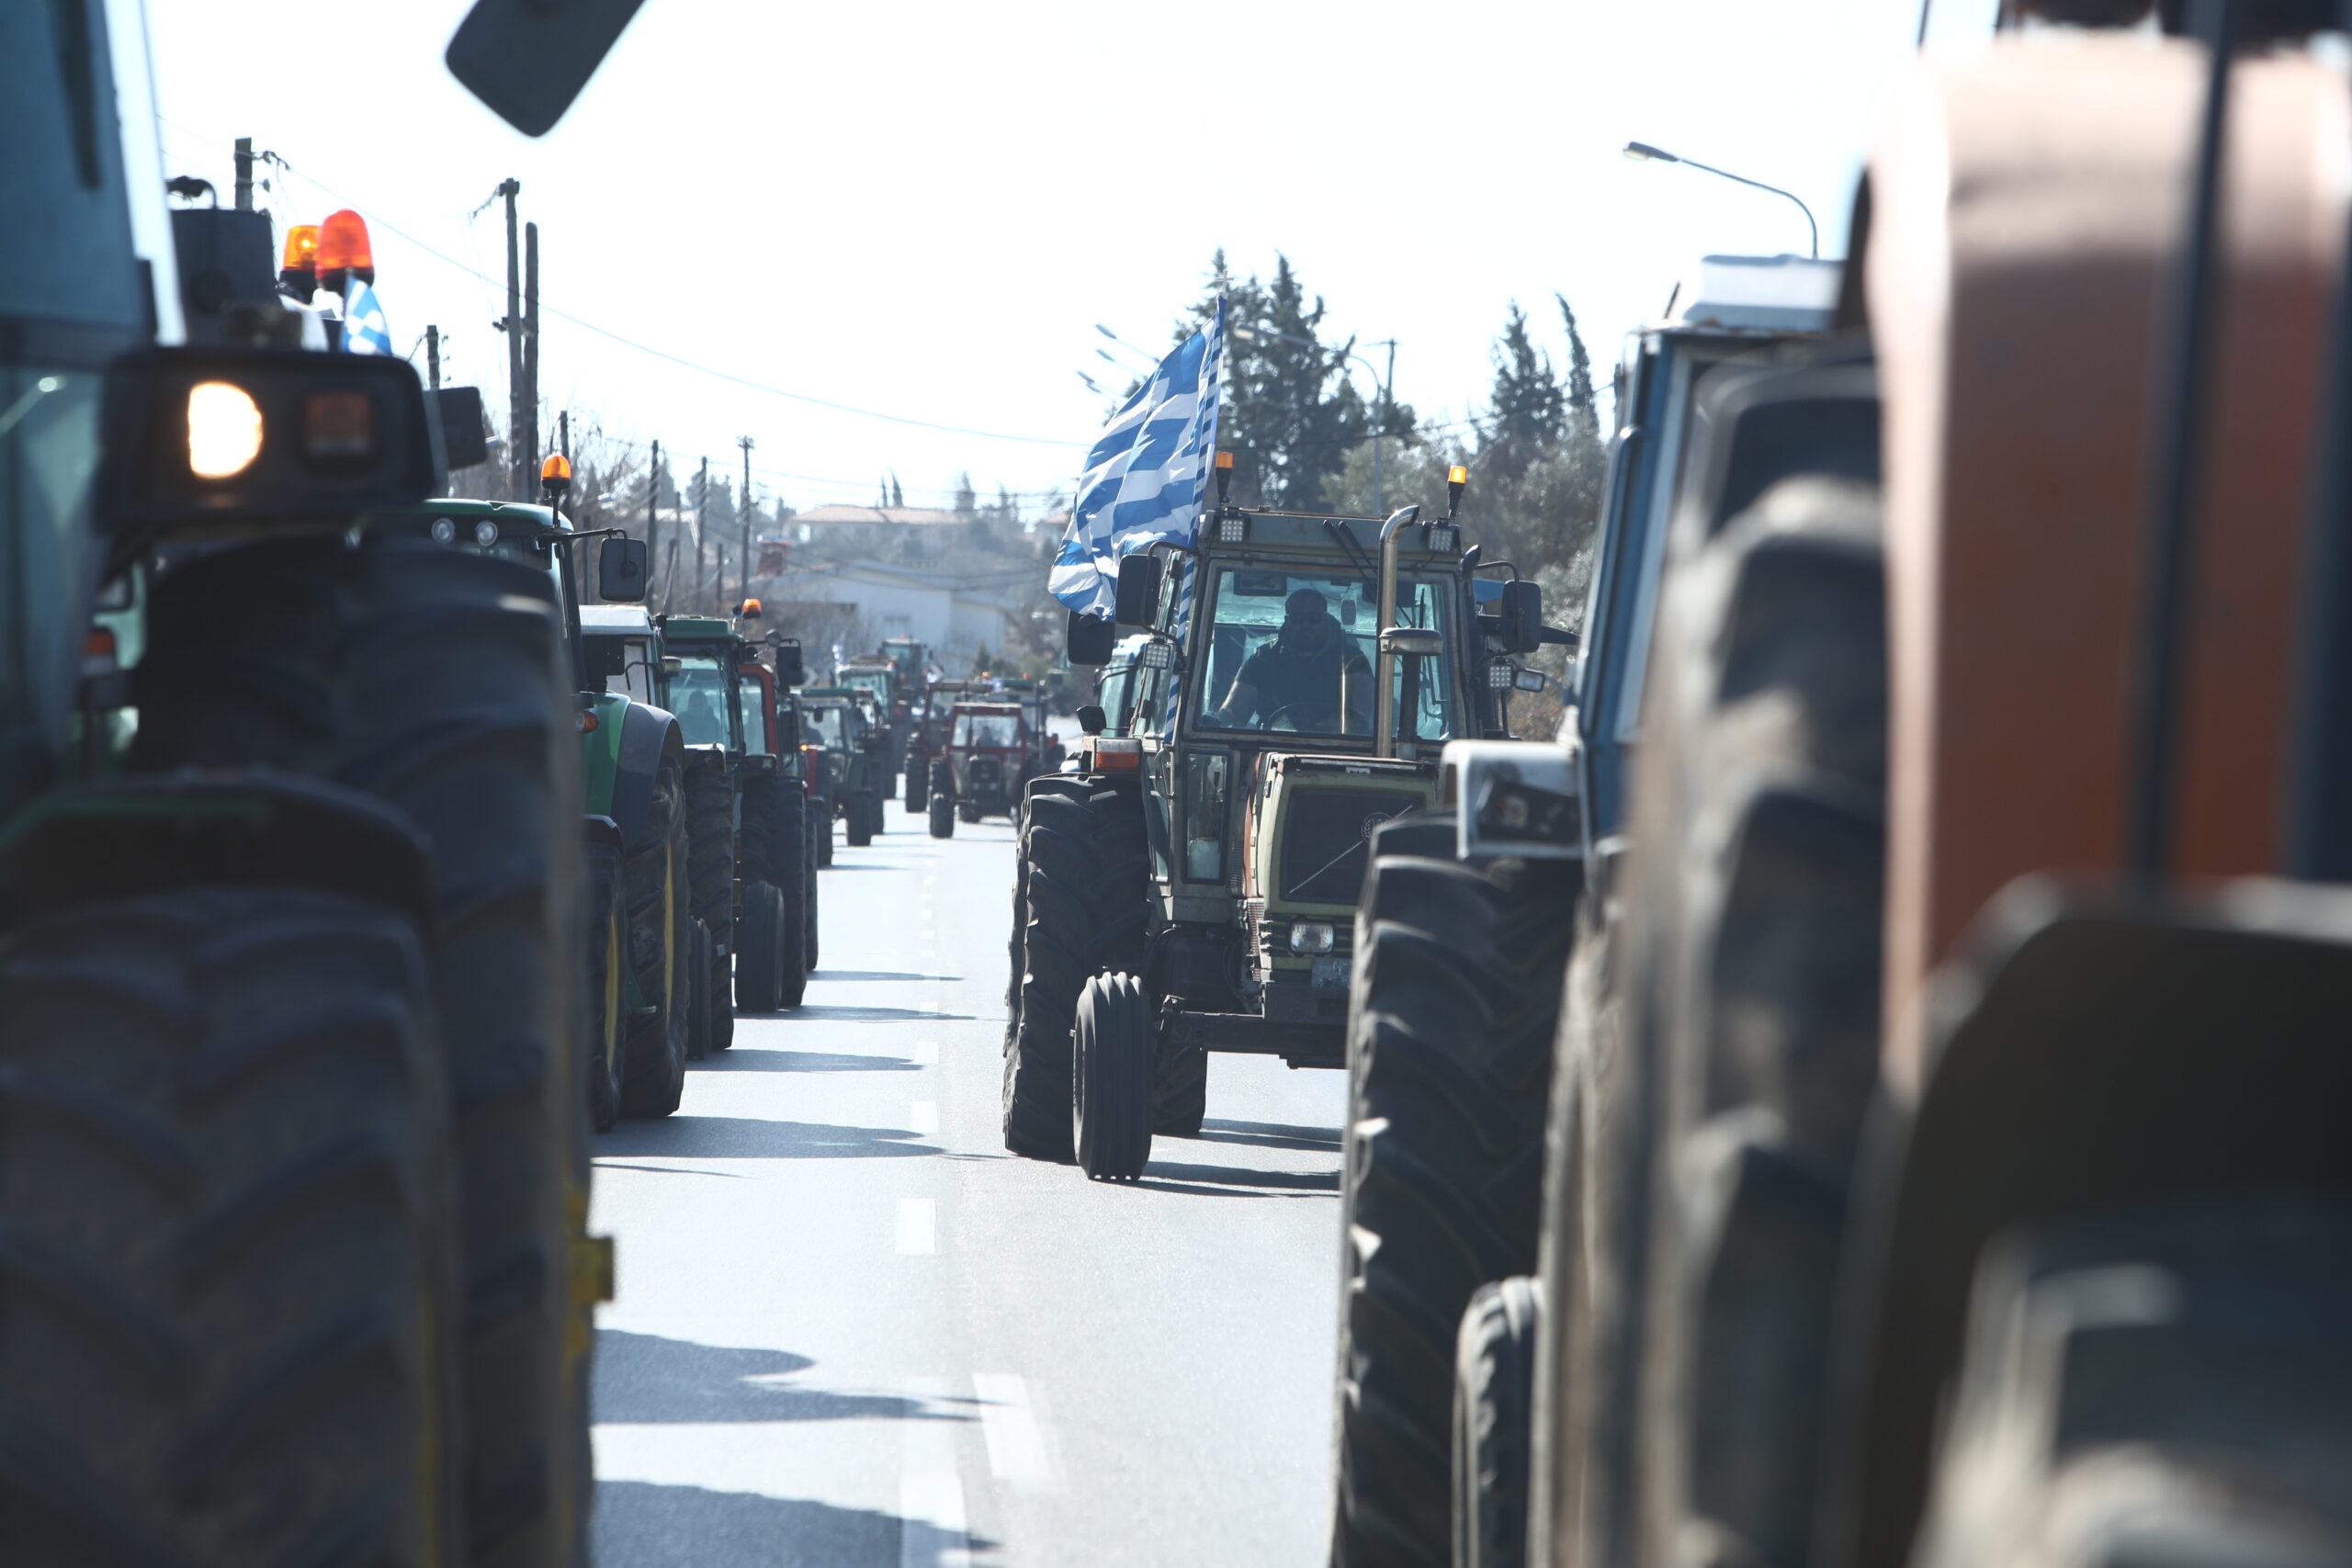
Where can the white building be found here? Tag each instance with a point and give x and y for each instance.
(856, 603)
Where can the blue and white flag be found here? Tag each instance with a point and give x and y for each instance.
(363, 321)
(1145, 478)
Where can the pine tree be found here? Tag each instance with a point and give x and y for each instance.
(1527, 410)
(1584, 410)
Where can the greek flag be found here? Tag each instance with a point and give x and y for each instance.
(1144, 477)
(363, 322)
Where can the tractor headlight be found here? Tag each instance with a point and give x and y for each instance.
(444, 530)
(1157, 655)
(1233, 528)
(486, 533)
(1501, 675)
(1441, 539)
(1310, 936)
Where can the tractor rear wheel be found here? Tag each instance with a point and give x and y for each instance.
(759, 950)
(918, 776)
(943, 817)
(235, 1316)
(1456, 1000)
(775, 851)
(710, 837)
(1111, 1078)
(809, 879)
(653, 1070)
(821, 815)
(2165, 1386)
(1754, 897)
(607, 1010)
(436, 679)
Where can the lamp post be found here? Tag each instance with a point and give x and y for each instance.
(1380, 425)
(1642, 152)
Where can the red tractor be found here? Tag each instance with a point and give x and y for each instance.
(984, 766)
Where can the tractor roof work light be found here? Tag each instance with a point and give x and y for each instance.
(343, 251)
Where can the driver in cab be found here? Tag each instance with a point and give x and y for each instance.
(1299, 675)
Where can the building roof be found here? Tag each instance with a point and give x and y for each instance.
(913, 517)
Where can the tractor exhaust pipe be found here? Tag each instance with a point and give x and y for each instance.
(1384, 670)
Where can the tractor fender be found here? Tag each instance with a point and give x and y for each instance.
(595, 829)
(2083, 1054)
(649, 736)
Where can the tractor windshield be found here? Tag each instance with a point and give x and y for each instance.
(1293, 651)
(826, 725)
(698, 695)
(752, 696)
(982, 730)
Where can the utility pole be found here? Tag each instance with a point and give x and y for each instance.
(531, 349)
(433, 357)
(244, 173)
(653, 518)
(517, 487)
(744, 507)
(563, 434)
(702, 503)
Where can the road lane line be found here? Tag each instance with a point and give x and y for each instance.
(924, 1118)
(918, 1226)
(1009, 1423)
(934, 1531)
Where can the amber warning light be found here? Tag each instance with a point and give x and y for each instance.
(555, 474)
(342, 250)
(299, 274)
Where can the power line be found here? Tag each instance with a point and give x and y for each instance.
(678, 359)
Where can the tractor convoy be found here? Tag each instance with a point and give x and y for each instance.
(1870, 1091)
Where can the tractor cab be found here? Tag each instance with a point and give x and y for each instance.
(988, 760)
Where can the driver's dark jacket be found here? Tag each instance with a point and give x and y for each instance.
(1282, 675)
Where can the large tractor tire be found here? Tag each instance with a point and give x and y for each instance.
(1111, 1078)
(823, 815)
(1082, 868)
(1068, 789)
(863, 809)
(710, 837)
(775, 851)
(943, 817)
(2165, 1386)
(234, 1314)
(1456, 995)
(653, 1070)
(967, 811)
(760, 950)
(808, 924)
(605, 1036)
(436, 679)
(918, 777)
(699, 973)
(1752, 952)
(1494, 1387)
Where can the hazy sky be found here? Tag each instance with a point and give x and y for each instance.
(921, 210)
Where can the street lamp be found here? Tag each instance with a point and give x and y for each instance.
(1380, 427)
(1642, 152)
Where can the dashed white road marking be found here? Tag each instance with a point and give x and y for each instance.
(918, 1226)
(1018, 1449)
(926, 1053)
(923, 1116)
(933, 1530)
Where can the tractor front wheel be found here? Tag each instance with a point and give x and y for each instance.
(943, 817)
(653, 1071)
(1110, 1072)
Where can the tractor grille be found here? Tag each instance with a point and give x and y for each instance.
(984, 778)
(1326, 836)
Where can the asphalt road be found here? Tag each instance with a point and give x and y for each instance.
(851, 1330)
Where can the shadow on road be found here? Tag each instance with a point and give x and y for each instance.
(640, 1525)
(747, 1137)
(1270, 1135)
(865, 1015)
(759, 1059)
(646, 1377)
(1221, 1179)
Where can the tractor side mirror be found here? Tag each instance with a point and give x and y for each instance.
(1520, 611)
(1092, 639)
(463, 445)
(620, 572)
(788, 668)
(1138, 602)
(1092, 719)
(528, 58)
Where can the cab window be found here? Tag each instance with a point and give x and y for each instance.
(752, 696)
(699, 697)
(1294, 651)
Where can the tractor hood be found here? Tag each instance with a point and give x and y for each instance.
(1308, 827)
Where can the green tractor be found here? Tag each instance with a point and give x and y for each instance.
(752, 848)
(854, 763)
(893, 714)
(1193, 886)
(295, 1176)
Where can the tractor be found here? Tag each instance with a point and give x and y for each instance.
(985, 767)
(1465, 929)
(1191, 887)
(1946, 1161)
(894, 711)
(295, 1174)
(927, 737)
(843, 726)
